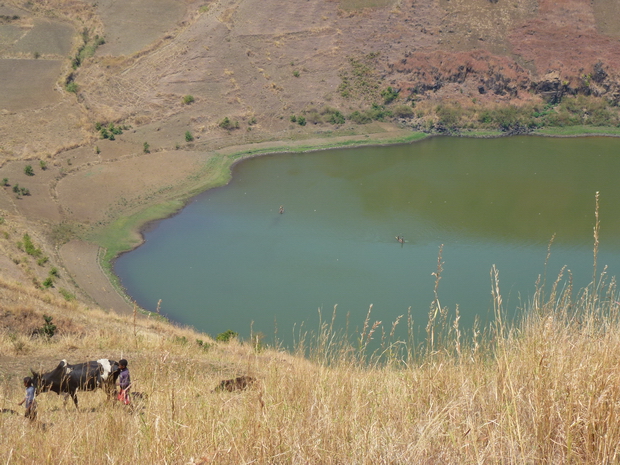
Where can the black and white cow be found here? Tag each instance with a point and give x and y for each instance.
(84, 376)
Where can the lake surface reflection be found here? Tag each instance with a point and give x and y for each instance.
(229, 258)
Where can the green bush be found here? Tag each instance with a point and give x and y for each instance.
(226, 123)
(43, 165)
(188, 136)
(360, 117)
(187, 99)
(146, 148)
(28, 170)
(29, 247)
(301, 121)
(48, 329)
(389, 95)
(71, 87)
(226, 336)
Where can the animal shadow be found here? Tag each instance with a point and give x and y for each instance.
(236, 384)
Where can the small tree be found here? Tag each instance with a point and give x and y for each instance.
(146, 148)
(49, 328)
(28, 170)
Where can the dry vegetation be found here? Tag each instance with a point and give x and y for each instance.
(542, 391)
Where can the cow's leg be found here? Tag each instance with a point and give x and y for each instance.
(73, 395)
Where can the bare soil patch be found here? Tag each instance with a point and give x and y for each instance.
(98, 192)
(81, 259)
(28, 84)
(132, 25)
(46, 38)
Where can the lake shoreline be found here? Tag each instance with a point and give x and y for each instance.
(101, 271)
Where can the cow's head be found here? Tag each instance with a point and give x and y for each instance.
(109, 370)
(44, 382)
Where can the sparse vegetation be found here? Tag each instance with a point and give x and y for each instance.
(146, 148)
(228, 124)
(28, 171)
(188, 99)
(108, 132)
(68, 296)
(87, 49)
(188, 136)
(71, 87)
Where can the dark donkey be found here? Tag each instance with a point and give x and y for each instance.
(87, 376)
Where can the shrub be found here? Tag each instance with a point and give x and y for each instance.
(188, 136)
(226, 336)
(226, 123)
(389, 95)
(403, 111)
(360, 118)
(71, 87)
(146, 148)
(49, 328)
(293, 119)
(301, 121)
(42, 261)
(43, 165)
(296, 73)
(49, 282)
(5, 181)
(449, 115)
(29, 247)
(28, 170)
(187, 99)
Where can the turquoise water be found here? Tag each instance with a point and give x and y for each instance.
(230, 260)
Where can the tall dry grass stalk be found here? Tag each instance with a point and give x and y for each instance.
(544, 389)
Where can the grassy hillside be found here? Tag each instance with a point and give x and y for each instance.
(114, 113)
(545, 390)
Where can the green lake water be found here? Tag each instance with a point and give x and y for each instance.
(230, 260)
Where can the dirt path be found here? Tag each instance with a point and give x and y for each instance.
(81, 260)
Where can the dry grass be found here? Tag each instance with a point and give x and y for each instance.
(543, 391)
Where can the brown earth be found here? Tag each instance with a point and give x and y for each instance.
(257, 63)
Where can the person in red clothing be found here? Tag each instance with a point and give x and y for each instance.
(124, 382)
